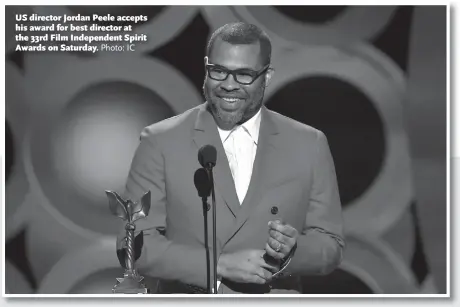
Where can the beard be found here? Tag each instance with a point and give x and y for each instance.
(230, 119)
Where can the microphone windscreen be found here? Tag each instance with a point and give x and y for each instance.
(202, 182)
(207, 155)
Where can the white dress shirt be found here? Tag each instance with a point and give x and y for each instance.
(240, 146)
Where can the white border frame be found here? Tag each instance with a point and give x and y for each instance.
(455, 154)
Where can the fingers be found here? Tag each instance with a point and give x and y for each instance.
(279, 237)
(262, 275)
(280, 242)
(272, 252)
(284, 229)
(269, 263)
(282, 238)
(257, 280)
(262, 271)
(278, 246)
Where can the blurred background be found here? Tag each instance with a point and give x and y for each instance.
(373, 78)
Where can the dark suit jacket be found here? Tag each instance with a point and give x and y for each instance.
(293, 171)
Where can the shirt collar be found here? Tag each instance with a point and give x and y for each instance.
(252, 126)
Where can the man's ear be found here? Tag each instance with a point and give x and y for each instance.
(268, 76)
(205, 70)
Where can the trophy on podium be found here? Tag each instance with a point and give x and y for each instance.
(129, 211)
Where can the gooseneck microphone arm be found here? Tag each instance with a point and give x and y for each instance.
(207, 156)
(206, 244)
(214, 218)
(203, 186)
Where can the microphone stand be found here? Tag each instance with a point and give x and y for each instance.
(206, 244)
(214, 241)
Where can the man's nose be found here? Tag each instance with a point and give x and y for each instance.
(230, 84)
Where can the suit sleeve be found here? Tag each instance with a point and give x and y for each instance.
(160, 258)
(320, 243)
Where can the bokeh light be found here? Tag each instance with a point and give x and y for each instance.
(91, 147)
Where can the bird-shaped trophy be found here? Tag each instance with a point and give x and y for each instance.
(129, 211)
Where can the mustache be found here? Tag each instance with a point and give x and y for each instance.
(209, 92)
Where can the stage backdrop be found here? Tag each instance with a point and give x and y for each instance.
(372, 78)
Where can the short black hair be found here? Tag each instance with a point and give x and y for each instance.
(243, 33)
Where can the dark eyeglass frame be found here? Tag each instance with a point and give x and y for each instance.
(234, 72)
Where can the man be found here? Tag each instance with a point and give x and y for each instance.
(278, 207)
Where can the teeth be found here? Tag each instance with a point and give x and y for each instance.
(231, 99)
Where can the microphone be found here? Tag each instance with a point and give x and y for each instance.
(202, 183)
(207, 156)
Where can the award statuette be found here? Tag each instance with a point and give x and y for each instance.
(129, 211)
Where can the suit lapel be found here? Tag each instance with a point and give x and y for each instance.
(266, 156)
(206, 134)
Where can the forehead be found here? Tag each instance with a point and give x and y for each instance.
(236, 56)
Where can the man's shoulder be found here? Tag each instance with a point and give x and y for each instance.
(171, 125)
(291, 126)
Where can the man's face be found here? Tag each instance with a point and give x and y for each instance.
(230, 102)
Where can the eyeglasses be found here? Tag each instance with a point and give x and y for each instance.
(242, 76)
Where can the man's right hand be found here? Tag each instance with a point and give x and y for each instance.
(246, 266)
